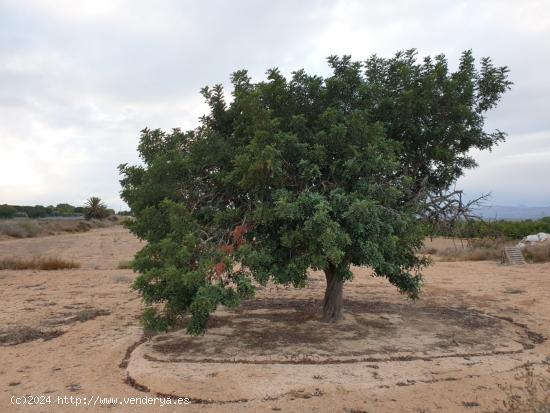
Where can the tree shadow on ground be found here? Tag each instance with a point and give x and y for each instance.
(291, 328)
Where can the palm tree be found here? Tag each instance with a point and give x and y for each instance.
(95, 208)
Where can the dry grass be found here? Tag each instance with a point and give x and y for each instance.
(23, 334)
(124, 265)
(487, 249)
(16, 228)
(37, 263)
(122, 279)
(537, 252)
(436, 245)
(89, 314)
(81, 316)
(534, 397)
(29, 228)
(430, 250)
(482, 249)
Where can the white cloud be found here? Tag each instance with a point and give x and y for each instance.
(516, 172)
(79, 80)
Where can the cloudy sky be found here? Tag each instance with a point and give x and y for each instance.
(80, 79)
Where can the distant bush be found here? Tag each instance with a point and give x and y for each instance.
(7, 211)
(124, 213)
(39, 211)
(498, 229)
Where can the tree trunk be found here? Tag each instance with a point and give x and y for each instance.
(333, 302)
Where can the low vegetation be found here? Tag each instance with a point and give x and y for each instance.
(37, 263)
(124, 265)
(533, 397)
(481, 249)
(50, 211)
(23, 334)
(537, 252)
(39, 211)
(29, 228)
(89, 314)
(476, 240)
(85, 314)
(487, 249)
(495, 229)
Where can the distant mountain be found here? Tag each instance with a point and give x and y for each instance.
(513, 213)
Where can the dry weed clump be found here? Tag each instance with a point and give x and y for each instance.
(37, 263)
(124, 265)
(23, 334)
(89, 314)
(81, 316)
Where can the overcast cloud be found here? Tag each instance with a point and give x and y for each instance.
(80, 79)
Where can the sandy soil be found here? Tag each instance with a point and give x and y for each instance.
(473, 343)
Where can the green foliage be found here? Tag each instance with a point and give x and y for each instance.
(96, 209)
(7, 211)
(500, 229)
(301, 173)
(65, 210)
(39, 211)
(124, 213)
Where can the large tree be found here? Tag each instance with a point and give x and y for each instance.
(303, 173)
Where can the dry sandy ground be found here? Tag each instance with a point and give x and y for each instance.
(473, 342)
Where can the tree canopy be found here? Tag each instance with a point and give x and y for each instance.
(289, 175)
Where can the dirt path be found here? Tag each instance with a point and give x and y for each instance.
(463, 347)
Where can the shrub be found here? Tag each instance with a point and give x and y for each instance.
(95, 208)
